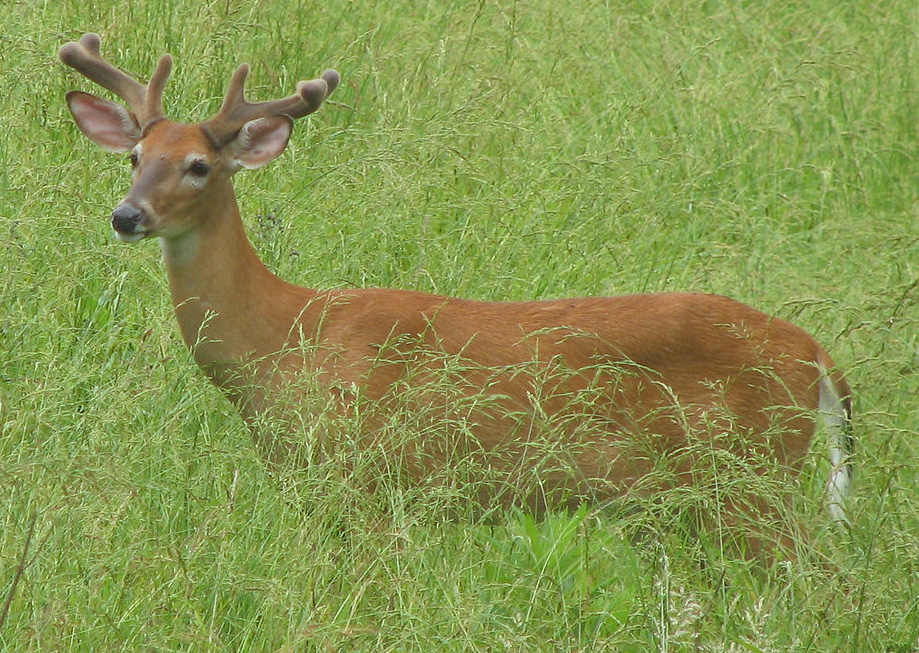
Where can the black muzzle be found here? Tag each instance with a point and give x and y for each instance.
(126, 218)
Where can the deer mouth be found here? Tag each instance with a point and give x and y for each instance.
(130, 237)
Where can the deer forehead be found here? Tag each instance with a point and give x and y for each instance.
(176, 141)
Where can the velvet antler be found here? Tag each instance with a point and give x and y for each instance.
(144, 101)
(236, 111)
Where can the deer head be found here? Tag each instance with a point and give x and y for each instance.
(181, 171)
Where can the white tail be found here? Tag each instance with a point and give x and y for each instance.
(835, 408)
(610, 383)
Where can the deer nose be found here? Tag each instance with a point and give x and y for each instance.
(126, 218)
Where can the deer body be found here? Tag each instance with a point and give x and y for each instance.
(602, 379)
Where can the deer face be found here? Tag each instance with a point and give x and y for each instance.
(175, 171)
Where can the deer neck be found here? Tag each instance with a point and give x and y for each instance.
(233, 312)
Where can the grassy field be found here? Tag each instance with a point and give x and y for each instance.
(494, 150)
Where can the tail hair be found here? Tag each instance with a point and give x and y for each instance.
(835, 408)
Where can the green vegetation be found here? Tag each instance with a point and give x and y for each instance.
(496, 150)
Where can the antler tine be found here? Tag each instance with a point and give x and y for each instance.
(236, 111)
(154, 98)
(314, 92)
(145, 101)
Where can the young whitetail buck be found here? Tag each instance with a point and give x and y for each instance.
(559, 401)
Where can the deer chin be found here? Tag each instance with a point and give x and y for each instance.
(130, 237)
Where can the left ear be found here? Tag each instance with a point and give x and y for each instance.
(260, 141)
(108, 124)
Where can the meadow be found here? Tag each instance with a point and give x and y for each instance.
(491, 149)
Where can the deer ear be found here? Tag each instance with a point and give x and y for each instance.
(260, 141)
(107, 124)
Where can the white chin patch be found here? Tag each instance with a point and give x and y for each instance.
(129, 238)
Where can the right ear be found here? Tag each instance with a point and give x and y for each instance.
(107, 124)
(261, 140)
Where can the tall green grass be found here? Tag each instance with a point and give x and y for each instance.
(494, 150)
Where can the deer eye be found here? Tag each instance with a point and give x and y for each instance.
(199, 168)
(133, 159)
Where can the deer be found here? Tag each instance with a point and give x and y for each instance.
(564, 401)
